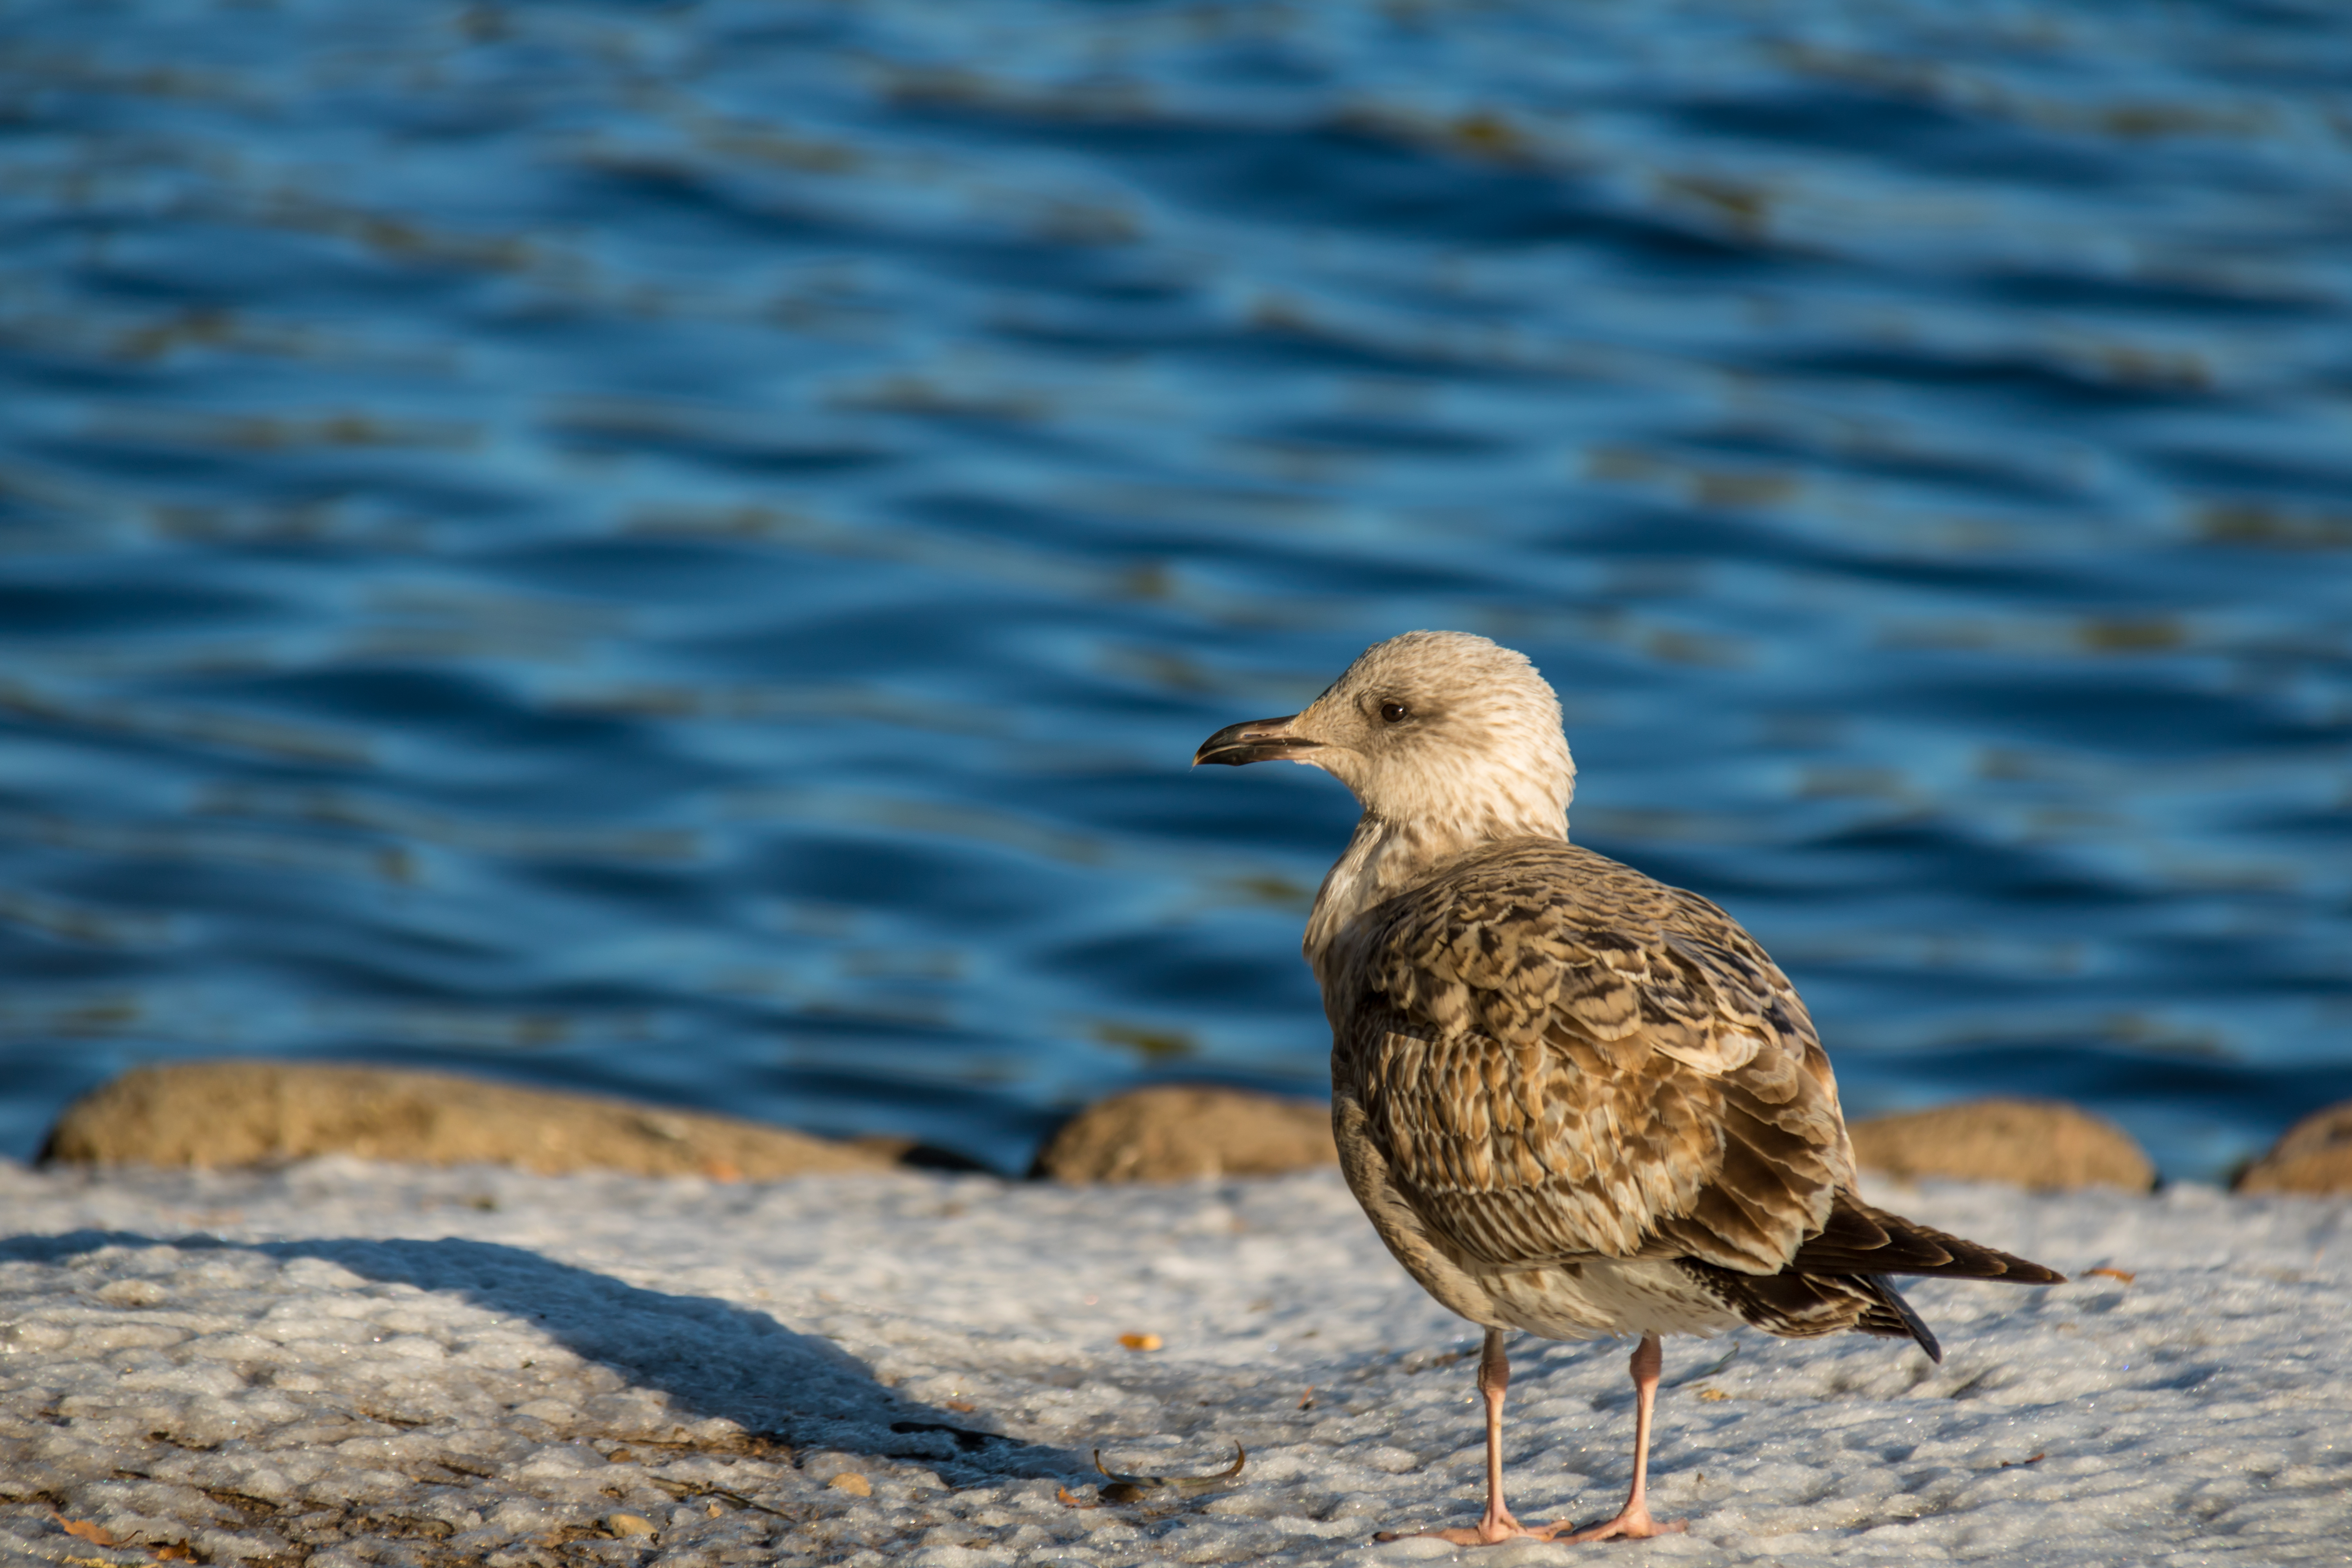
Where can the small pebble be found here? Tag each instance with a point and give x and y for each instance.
(853, 1483)
(626, 1524)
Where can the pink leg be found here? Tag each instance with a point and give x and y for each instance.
(1633, 1522)
(1497, 1523)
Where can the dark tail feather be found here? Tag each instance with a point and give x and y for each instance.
(1798, 1305)
(1860, 1239)
(1838, 1280)
(1913, 1323)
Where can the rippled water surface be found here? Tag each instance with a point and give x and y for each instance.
(684, 550)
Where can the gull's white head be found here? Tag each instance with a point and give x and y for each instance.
(1431, 730)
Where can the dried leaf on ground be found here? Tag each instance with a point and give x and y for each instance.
(90, 1529)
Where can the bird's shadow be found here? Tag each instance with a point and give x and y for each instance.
(710, 1357)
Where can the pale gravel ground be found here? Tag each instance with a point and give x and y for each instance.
(351, 1364)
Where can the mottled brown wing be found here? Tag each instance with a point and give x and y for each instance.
(1560, 1058)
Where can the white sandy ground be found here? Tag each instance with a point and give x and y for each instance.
(351, 1364)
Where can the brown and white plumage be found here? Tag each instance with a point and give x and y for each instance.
(1572, 1099)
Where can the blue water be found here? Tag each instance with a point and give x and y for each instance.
(684, 550)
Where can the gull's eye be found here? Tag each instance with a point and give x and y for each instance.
(1394, 713)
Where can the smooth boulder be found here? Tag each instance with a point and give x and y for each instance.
(1182, 1133)
(230, 1113)
(2046, 1144)
(2314, 1156)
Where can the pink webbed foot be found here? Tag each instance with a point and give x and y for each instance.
(1634, 1524)
(1474, 1536)
(1497, 1527)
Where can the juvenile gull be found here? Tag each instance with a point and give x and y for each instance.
(1571, 1100)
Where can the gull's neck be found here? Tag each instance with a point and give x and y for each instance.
(1385, 858)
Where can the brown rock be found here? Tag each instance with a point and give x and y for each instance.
(2315, 1156)
(2044, 1144)
(1179, 1132)
(260, 1113)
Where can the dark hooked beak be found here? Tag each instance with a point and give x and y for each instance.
(1255, 741)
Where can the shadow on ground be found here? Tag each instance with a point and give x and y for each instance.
(710, 1357)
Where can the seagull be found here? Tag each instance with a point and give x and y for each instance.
(1572, 1101)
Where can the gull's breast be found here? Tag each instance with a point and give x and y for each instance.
(1603, 1296)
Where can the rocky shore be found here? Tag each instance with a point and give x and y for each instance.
(227, 1114)
(334, 1360)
